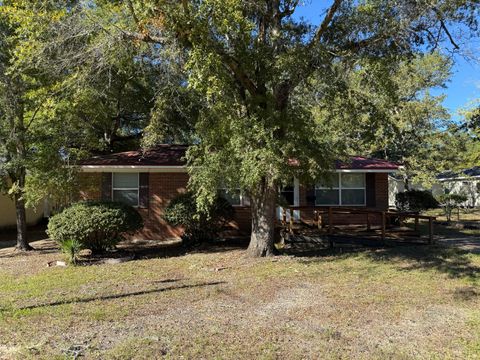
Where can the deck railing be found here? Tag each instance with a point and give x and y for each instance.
(324, 216)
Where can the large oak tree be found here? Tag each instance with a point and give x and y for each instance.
(253, 62)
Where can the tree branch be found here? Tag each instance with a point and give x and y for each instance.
(450, 37)
(146, 37)
(33, 116)
(325, 23)
(445, 29)
(235, 68)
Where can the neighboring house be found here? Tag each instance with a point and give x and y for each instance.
(8, 213)
(152, 179)
(466, 182)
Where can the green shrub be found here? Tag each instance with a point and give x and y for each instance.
(198, 227)
(71, 248)
(450, 202)
(415, 201)
(97, 226)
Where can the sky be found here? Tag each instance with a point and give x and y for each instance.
(464, 85)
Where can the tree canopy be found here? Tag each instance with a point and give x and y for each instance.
(252, 62)
(261, 95)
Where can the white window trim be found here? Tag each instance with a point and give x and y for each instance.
(340, 188)
(128, 189)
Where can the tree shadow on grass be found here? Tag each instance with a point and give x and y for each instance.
(454, 262)
(133, 250)
(119, 296)
(162, 250)
(41, 247)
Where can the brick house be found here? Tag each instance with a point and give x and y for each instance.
(149, 181)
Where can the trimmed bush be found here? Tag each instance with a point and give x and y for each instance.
(97, 226)
(198, 227)
(415, 201)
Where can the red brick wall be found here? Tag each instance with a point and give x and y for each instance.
(242, 223)
(163, 187)
(381, 191)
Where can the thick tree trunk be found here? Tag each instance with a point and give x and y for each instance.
(21, 217)
(22, 242)
(263, 204)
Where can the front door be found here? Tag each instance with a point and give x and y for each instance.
(290, 195)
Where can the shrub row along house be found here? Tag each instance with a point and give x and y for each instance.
(150, 180)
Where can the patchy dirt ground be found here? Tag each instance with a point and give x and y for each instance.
(401, 302)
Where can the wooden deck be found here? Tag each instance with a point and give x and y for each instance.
(323, 223)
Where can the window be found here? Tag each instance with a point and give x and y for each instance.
(328, 192)
(125, 188)
(341, 189)
(234, 197)
(288, 195)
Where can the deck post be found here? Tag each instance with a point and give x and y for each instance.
(368, 222)
(330, 220)
(319, 219)
(383, 225)
(416, 223)
(291, 220)
(284, 216)
(430, 230)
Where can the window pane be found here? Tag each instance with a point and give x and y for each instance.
(129, 197)
(125, 180)
(287, 195)
(353, 180)
(233, 197)
(326, 197)
(328, 182)
(353, 197)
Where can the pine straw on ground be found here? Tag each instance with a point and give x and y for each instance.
(402, 302)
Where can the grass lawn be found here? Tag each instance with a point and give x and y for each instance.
(403, 302)
(455, 228)
(465, 215)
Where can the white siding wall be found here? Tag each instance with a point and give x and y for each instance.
(395, 186)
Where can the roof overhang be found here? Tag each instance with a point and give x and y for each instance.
(183, 169)
(366, 170)
(465, 178)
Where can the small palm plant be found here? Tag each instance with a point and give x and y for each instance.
(71, 248)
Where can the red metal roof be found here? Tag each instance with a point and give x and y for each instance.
(173, 155)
